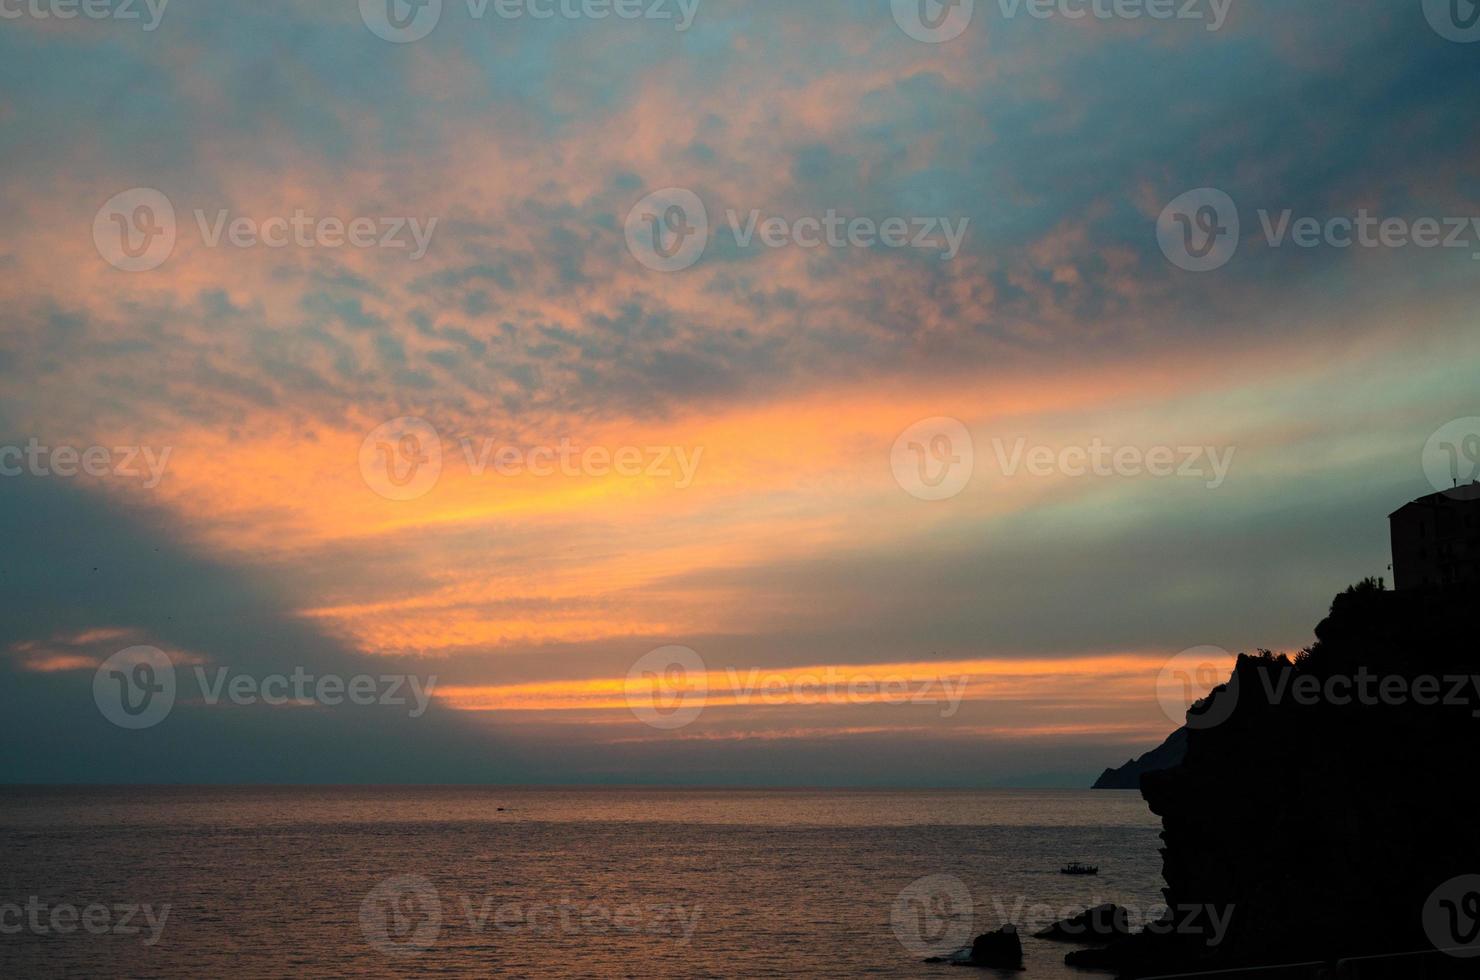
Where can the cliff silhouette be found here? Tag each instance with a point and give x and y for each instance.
(1166, 755)
(1326, 823)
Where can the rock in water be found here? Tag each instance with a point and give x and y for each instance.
(1101, 924)
(1000, 949)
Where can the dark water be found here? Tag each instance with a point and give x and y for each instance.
(561, 883)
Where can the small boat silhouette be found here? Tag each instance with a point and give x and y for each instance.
(1075, 868)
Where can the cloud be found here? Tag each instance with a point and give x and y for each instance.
(528, 322)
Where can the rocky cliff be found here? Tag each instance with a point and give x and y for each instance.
(1164, 756)
(1322, 801)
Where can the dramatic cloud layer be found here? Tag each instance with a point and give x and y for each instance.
(633, 458)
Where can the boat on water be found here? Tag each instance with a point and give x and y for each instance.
(1075, 868)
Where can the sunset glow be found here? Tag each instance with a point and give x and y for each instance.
(405, 394)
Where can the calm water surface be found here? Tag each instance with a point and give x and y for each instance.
(558, 883)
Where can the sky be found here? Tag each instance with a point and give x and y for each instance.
(848, 393)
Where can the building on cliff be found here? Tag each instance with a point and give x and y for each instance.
(1436, 539)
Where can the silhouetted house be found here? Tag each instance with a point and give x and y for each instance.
(1436, 539)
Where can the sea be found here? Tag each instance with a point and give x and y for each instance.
(489, 881)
